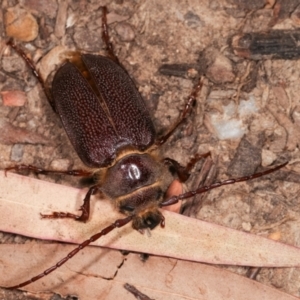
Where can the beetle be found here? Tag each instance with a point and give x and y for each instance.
(111, 130)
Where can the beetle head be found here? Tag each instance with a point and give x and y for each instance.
(148, 218)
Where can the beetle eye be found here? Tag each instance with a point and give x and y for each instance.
(172, 170)
(127, 208)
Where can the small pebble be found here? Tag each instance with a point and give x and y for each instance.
(125, 32)
(13, 98)
(60, 164)
(295, 17)
(220, 71)
(21, 25)
(61, 20)
(246, 226)
(268, 157)
(17, 152)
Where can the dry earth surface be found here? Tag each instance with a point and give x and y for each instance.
(247, 115)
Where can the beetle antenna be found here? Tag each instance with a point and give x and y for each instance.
(203, 189)
(117, 224)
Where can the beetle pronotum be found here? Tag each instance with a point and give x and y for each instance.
(111, 130)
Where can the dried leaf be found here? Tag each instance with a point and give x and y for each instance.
(24, 198)
(100, 274)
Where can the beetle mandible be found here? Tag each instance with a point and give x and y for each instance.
(111, 130)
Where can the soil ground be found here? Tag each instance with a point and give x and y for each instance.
(197, 36)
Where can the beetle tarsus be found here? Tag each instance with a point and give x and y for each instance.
(59, 215)
(85, 208)
(106, 39)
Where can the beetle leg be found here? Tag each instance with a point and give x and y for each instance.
(105, 37)
(134, 291)
(35, 72)
(183, 173)
(188, 108)
(19, 168)
(85, 208)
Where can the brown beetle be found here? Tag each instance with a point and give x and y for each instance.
(111, 130)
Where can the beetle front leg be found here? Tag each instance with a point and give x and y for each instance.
(105, 37)
(188, 108)
(183, 173)
(85, 208)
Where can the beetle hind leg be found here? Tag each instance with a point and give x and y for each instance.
(85, 208)
(35, 72)
(19, 168)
